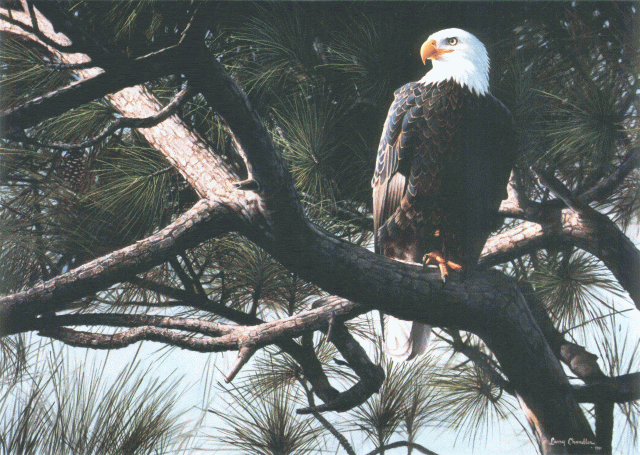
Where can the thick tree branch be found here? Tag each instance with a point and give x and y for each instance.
(203, 221)
(619, 389)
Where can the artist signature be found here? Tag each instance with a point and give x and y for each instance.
(574, 442)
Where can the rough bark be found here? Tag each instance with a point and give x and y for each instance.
(204, 220)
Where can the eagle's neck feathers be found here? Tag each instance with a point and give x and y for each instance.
(471, 72)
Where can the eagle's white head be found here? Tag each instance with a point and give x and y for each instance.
(457, 55)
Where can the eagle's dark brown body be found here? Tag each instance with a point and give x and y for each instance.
(442, 169)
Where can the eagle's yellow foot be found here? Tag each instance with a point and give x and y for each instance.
(436, 257)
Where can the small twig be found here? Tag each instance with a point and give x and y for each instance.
(553, 184)
(72, 66)
(34, 19)
(245, 353)
(324, 422)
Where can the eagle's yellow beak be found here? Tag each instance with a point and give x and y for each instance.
(429, 50)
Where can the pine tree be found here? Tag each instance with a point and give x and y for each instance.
(144, 196)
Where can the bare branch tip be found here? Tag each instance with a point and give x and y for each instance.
(245, 353)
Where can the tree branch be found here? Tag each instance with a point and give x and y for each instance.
(122, 122)
(29, 30)
(596, 233)
(486, 303)
(219, 337)
(203, 221)
(81, 92)
(371, 376)
(307, 360)
(619, 389)
(608, 184)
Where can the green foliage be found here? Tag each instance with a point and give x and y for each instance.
(575, 288)
(41, 413)
(26, 69)
(359, 53)
(403, 401)
(265, 424)
(277, 52)
(134, 191)
(306, 126)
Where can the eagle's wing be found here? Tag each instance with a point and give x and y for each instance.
(404, 340)
(389, 179)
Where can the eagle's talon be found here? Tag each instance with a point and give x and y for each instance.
(444, 265)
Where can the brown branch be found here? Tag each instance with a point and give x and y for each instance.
(371, 375)
(219, 337)
(304, 357)
(120, 340)
(122, 122)
(205, 220)
(36, 33)
(81, 92)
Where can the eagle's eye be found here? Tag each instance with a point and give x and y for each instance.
(452, 41)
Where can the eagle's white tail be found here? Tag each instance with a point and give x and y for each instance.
(404, 340)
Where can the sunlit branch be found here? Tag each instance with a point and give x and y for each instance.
(122, 122)
(37, 33)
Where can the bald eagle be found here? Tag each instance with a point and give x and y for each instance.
(442, 169)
